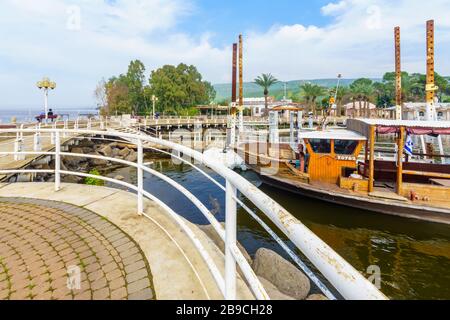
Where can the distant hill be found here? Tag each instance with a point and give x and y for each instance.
(293, 87)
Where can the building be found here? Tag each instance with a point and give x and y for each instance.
(357, 110)
(257, 105)
(417, 111)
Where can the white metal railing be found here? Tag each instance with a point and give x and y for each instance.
(339, 273)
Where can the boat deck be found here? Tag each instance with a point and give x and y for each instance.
(384, 200)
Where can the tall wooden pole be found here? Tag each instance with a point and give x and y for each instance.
(234, 77)
(400, 145)
(398, 75)
(241, 73)
(430, 87)
(234, 81)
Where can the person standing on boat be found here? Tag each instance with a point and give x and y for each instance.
(302, 158)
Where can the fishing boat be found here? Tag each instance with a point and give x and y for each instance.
(342, 167)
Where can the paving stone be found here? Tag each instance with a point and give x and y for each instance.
(119, 294)
(134, 266)
(145, 294)
(138, 285)
(137, 275)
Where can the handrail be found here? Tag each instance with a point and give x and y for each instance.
(347, 280)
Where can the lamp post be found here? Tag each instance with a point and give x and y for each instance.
(46, 85)
(154, 100)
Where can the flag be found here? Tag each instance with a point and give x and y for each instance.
(409, 145)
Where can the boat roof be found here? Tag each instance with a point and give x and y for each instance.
(405, 123)
(339, 134)
(383, 126)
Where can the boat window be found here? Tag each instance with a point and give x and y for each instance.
(345, 147)
(320, 145)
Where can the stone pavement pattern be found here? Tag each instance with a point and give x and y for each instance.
(42, 242)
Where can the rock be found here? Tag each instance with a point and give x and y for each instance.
(73, 162)
(72, 179)
(106, 151)
(88, 150)
(77, 150)
(124, 152)
(214, 236)
(132, 157)
(273, 291)
(86, 143)
(115, 152)
(317, 297)
(119, 177)
(63, 166)
(280, 272)
(99, 162)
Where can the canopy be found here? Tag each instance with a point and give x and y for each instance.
(383, 126)
(332, 135)
(293, 108)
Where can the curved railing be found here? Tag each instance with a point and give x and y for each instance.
(340, 274)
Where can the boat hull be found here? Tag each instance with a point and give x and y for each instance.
(384, 206)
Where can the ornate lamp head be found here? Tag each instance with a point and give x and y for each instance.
(45, 83)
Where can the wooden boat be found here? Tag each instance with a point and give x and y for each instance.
(334, 169)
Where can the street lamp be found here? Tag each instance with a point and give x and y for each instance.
(154, 100)
(45, 84)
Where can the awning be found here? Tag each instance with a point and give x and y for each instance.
(287, 108)
(339, 134)
(382, 126)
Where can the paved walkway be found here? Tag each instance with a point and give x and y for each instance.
(178, 270)
(53, 250)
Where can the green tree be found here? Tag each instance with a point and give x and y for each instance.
(342, 96)
(117, 96)
(135, 79)
(265, 81)
(179, 87)
(362, 89)
(311, 92)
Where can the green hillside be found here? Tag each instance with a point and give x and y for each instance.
(293, 87)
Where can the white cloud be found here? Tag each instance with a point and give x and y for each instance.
(334, 8)
(357, 42)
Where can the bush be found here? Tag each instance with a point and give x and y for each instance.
(92, 181)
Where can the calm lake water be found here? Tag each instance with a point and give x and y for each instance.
(28, 115)
(414, 257)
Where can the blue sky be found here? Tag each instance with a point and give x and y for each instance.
(77, 43)
(227, 18)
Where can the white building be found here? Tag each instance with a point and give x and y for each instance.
(257, 105)
(357, 109)
(417, 111)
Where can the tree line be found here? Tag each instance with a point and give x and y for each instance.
(363, 91)
(175, 90)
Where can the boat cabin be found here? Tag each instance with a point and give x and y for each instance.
(331, 154)
(418, 172)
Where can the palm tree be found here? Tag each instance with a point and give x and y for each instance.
(367, 92)
(355, 92)
(342, 95)
(310, 93)
(265, 81)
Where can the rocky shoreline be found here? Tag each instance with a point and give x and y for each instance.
(281, 279)
(114, 150)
